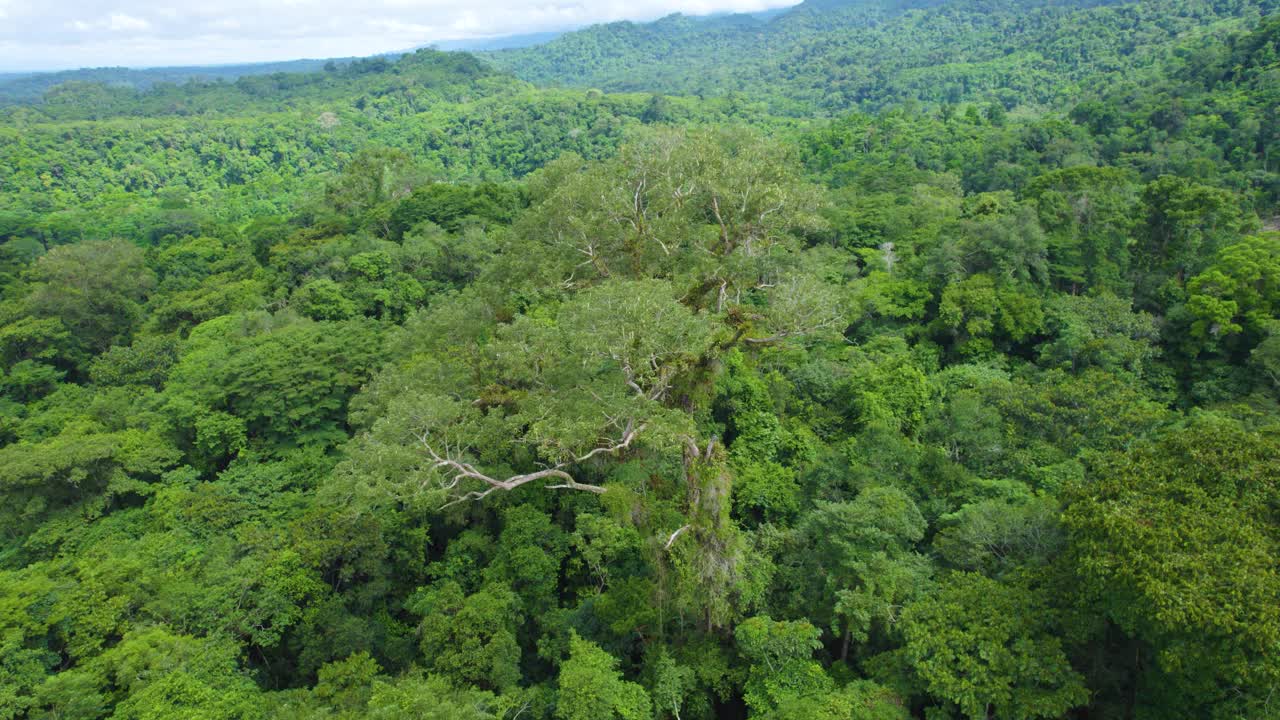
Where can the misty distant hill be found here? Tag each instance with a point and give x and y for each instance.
(29, 87)
(503, 42)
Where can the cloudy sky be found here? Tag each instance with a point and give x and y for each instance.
(59, 34)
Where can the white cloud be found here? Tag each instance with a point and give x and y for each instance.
(54, 35)
(116, 22)
(119, 22)
(399, 27)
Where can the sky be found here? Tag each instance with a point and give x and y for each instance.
(63, 34)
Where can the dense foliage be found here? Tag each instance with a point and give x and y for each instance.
(833, 55)
(407, 389)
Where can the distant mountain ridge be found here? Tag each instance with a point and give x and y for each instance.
(423, 76)
(820, 57)
(26, 87)
(832, 55)
(30, 87)
(499, 42)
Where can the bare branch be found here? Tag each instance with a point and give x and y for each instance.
(671, 540)
(628, 435)
(726, 245)
(460, 471)
(572, 484)
(768, 340)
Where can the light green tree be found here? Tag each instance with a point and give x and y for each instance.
(591, 688)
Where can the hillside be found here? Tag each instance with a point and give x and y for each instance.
(239, 148)
(407, 388)
(30, 87)
(835, 55)
(17, 88)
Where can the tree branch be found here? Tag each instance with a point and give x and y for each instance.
(671, 540)
(462, 471)
(768, 340)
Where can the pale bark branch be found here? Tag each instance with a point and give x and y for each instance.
(671, 540)
(458, 471)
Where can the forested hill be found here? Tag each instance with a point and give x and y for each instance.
(834, 55)
(92, 158)
(410, 389)
(30, 87)
(423, 77)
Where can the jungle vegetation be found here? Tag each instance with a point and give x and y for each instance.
(911, 360)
